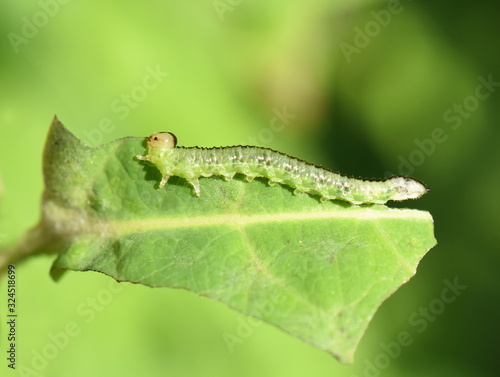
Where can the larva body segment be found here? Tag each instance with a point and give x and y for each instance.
(191, 163)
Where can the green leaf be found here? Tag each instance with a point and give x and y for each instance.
(316, 270)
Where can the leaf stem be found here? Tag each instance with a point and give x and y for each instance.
(37, 240)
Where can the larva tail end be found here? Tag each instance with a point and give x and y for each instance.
(406, 188)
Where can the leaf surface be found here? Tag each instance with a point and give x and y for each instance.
(316, 270)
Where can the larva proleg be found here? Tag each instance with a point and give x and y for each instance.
(191, 163)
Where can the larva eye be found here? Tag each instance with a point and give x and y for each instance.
(162, 140)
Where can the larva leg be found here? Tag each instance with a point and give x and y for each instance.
(323, 199)
(298, 192)
(164, 181)
(196, 185)
(143, 158)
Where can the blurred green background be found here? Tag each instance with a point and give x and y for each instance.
(369, 88)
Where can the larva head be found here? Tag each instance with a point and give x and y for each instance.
(406, 188)
(162, 141)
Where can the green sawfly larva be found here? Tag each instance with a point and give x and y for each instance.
(191, 163)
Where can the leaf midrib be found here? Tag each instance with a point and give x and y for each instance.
(130, 226)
